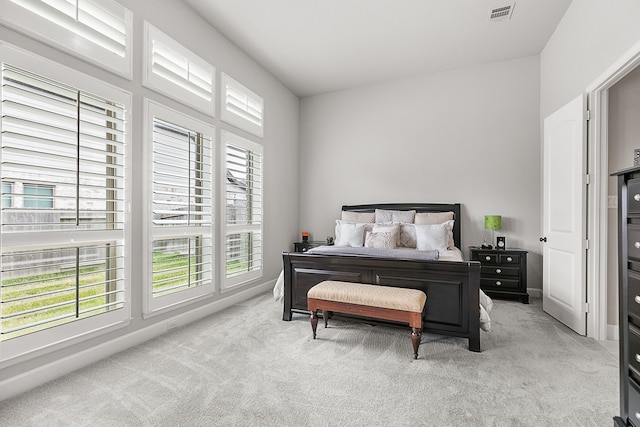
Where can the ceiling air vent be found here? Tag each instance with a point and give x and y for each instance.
(501, 13)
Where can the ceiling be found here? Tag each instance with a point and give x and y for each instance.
(318, 46)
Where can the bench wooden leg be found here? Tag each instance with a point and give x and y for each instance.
(416, 335)
(314, 322)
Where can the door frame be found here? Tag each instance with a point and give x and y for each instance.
(597, 198)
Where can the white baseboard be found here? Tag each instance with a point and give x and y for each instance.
(25, 381)
(534, 293)
(613, 332)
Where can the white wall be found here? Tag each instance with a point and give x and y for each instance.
(592, 35)
(280, 172)
(469, 135)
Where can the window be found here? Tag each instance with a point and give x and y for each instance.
(242, 107)
(243, 213)
(97, 30)
(175, 71)
(63, 164)
(7, 194)
(181, 214)
(37, 196)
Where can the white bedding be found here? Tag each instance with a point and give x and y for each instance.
(449, 255)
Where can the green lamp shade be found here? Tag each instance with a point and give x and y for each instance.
(492, 222)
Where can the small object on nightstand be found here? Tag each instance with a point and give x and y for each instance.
(501, 242)
(305, 236)
(493, 223)
(503, 272)
(329, 240)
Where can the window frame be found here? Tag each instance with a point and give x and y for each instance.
(234, 118)
(231, 138)
(39, 197)
(154, 305)
(63, 335)
(70, 40)
(167, 87)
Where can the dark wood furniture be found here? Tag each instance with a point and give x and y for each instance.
(503, 273)
(375, 305)
(629, 295)
(452, 288)
(305, 246)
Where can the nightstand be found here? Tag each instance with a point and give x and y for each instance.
(503, 272)
(305, 246)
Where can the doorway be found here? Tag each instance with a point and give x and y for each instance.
(614, 133)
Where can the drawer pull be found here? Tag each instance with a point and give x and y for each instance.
(637, 299)
(636, 245)
(509, 259)
(637, 414)
(636, 197)
(498, 283)
(488, 258)
(637, 357)
(498, 271)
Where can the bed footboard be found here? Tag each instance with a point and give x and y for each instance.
(452, 288)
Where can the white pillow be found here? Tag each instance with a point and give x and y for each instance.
(349, 234)
(432, 237)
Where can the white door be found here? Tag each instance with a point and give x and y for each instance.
(564, 203)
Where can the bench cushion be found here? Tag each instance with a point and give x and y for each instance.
(369, 295)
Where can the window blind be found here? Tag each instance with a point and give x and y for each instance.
(59, 138)
(177, 72)
(181, 217)
(243, 190)
(62, 168)
(242, 107)
(97, 29)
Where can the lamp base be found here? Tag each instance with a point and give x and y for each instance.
(485, 246)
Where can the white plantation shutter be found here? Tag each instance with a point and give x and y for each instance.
(175, 71)
(99, 30)
(62, 169)
(181, 215)
(243, 225)
(242, 107)
(58, 137)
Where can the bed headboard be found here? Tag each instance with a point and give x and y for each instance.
(418, 207)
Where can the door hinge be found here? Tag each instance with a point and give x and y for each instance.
(586, 307)
(585, 244)
(587, 179)
(588, 115)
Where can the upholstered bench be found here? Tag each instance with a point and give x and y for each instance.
(379, 302)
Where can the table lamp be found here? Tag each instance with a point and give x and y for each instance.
(493, 223)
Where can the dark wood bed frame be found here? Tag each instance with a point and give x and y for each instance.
(452, 288)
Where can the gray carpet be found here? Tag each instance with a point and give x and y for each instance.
(246, 367)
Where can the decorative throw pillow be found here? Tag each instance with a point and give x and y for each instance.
(359, 216)
(431, 237)
(408, 236)
(432, 217)
(388, 228)
(381, 240)
(384, 216)
(449, 226)
(349, 234)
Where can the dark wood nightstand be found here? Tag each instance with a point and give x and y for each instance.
(305, 246)
(503, 272)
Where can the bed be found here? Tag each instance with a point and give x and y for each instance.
(452, 285)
